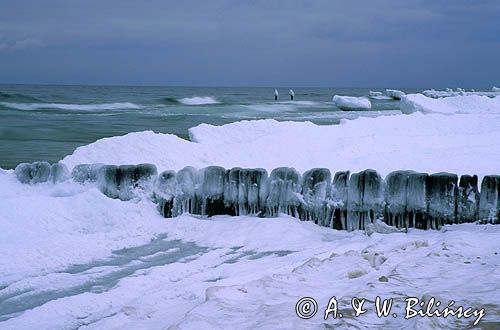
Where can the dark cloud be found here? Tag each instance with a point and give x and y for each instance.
(322, 43)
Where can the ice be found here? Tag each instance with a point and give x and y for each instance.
(394, 93)
(441, 194)
(405, 199)
(348, 103)
(489, 200)
(495, 89)
(42, 171)
(459, 92)
(187, 199)
(467, 198)
(121, 181)
(469, 104)
(211, 190)
(365, 199)
(58, 172)
(86, 172)
(165, 189)
(372, 93)
(316, 188)
(253, 190)
(285, 187)
(338, 200)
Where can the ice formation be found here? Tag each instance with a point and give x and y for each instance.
(473, 104)
(495, 89)
(349, 201)
(459, 92)
(394, 93)
(39, 172)
(348, 103)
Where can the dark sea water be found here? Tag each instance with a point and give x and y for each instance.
(48, 122)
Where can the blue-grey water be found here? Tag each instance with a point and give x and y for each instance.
(48, 122)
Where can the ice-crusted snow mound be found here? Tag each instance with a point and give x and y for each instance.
(351, 103)
(470, 104)
(426, 143)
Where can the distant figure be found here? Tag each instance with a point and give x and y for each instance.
(292, 94)
(276, 94)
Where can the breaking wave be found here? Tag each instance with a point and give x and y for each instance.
(74, 107)
(198, 100)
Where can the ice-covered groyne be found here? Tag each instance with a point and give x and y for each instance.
(343, 201)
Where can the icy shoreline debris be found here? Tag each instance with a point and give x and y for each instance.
(349, 201)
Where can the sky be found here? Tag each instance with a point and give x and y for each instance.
(355, 43)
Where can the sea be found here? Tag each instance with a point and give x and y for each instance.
(47, 122)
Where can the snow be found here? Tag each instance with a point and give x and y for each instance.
(424, 143)
(77, 258)
(460, 92)
(473, 104)
(394, 93)
(74, 258)
(495, 89)
(351, 103)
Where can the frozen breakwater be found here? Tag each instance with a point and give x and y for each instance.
(342, 201)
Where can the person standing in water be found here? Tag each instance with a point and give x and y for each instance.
(292, 94)
(276, 94)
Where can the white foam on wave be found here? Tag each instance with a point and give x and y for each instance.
(198, 100)
(69, 106)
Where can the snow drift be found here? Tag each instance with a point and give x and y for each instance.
(471, 104)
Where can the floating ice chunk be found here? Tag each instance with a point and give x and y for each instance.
(376, 93)
(86, 172)
(467, 198)
(394, 93)
(36, 172)
(441, 194)
(495, 89)
(284, 192)
(365, 199)
(348, 103)
(121, 181)
(316, 187)
(489, 200)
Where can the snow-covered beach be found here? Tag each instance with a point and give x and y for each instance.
(72, 257)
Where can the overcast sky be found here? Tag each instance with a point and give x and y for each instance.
(401, 43)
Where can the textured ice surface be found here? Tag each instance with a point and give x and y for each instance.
(351, 103)
(365, 199)
(394, 93)
(121, 181)
(468, 198)
(285, 187)
(86, 172)
(316, 189)
(39, 172)
(470, 104)
(441, 194)
(489, 200)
